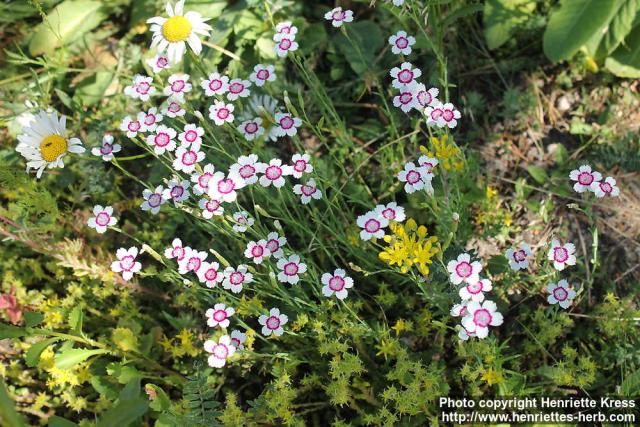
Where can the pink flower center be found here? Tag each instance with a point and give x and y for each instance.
(162, 139)
(162, 62)
(219, 315)
(273, 323)
(203, 180)
(262, 74)
(560, 254)
(178, 253)
(103, 219)
(257, 251)
(174, 107)
(143, 88)
(436, 113)
(475, 289)
(177, 192)
(372, 226)
(251, 128)
(308, 190)
(336, 283)
(189, 158)
(560, 293)
(211, 274)
(405, 76)
(405, 98)
(220, 351)
(402, 42)
(338, 15)
(215, 84)
(290, 269)
(223, 113)
(273, 245)
(300, 166)
(606, 187)
(286, 122)
(389, 213)
(424, 98)
(178, 86)
(413, 177)
(194, 264)
(247, 171)
(191, 135)
(284, 44)
(154, 200)
(585, 178)
(134, 126)
(464, 269)
(482, 318)
(236, 87)
(236, 342)
(236, 278)
(106, 148)
(447, 115)
(519, 256)
(226, 186)
(212, 205)
(149, 119)
(127, 262)
(273, 172)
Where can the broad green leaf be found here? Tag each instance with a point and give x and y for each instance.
(67, 22)
(125, 339)
(70, 358)
(630, 386)
(124, 413)
(360, 47)
(8, 414)
(573, 24)
(10, 331)
(75, 319)
(91, 90)
(33, 318)
(502, 17)
(619, 24)
(538, 174)
(625, 60)
(56, 421)
(32, 357)
(161, 401)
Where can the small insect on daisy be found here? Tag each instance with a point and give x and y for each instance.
(44, 142)
(173, 109)
(372, 225)
(150, 119)
(238, 88)
(518, 257)
(131, 126)
(404, 75)
(415, 177)
(424, 96)
(401, 43)
(187, 157)
(406, 99)
(210, 208)
(242, 221)
(284, 43)
(274, 173)
(126, 262)
(475, 291)
(262, 74)
(192, 261)
(560, 293)
(480, 316)
(561, 255)
(272, 323)
(238, 339)
(173, 33)
(391, 212)
(162, 139)
(307, 191)
(158, 63)
(225, 188)
(176, 250)
(290, 269)
(215, 84)
(251, 129)
(219, 315)
(106, 149)
(275, 242)
(336, 284)
(257, 251)
(463, 270)
(442, 115)
(201, 180)
(221, 113)
(285, 125)
(178, 191)
(606, 187)
(584, 177)
(235, 278)
(141, 88)
(220, 351)
(300, 165)
(337, 16)
(209, 273)
(152, 200)
(102, 218)
(178, 86)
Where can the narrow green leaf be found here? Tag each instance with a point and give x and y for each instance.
(538, 174)
(70, 358)
(11, 331)
(8, 414)
(32, 357)
(124, 412)
(56, 421)
(75, 319)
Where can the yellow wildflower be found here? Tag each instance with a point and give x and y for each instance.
(409, 245)
(491, 377)
(448, 154)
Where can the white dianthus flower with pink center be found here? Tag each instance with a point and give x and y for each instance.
(602, 188)
(209, 273)
(178, 86)
(286, 28)
(192, 261)
(404, 75)
(560, 293)
(391, 212)
(107, 148)
(126, 262)
(463, 269)
(338, 16)
(475, 291)
(480, 316)
(178, 191)
(561, 255)
(220, 351)
(442, 115)
(102, 218)
(235, 278)
(131, 126)
(215, 84)
(162, 139)
(257, 251)
(187, 157)
(242, 221)
(152, 200)
(275, 242)
(460, 309)
(300, 165)
(201, 180)
(372, 224)
(273, 322)
(290, 269)
(141, 88)
(210, 207)
(238, 339)
(401, 43)
(415, 178)
(336, 284)
(262, 74)
(224, 188)
(307, 191)
(150, 119)
(192, 134)
(428, 162)
(219, 315)
(273, 173)
(173, 109)
(238, 88)
(284, 43)
(247, 168)
(221, 113)
(176, 250)
(518, 257)
(424, 96)
(158, 63)
(584, 177)
(251, 129)
(285, 125)
(406, 99)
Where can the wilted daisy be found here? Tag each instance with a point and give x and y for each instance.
(162, 139)
(126, 262)
(414, 177)
(131, 126)
(201, 180)
(178, 191)
(285, 43)
(150, 119)
(102, 218)
(141, 88)
(220, 351)
(286, 28)
(215, 84)
(391, 211)
(300, 165)
(262, 74)
(152, 200)
(463, 270)
(158, 63)
(173, 109)
(475, 291)
(274, 173)
(178, 86)
(176, 250)
(285, 125)
(401, 43)
(372, 225)
(251, 129)
(442, 115)
(242, 221)
(191, 134)
(290, 269)
(275, 242)
(272, 324)
(238, 88)
(560, 293)
(337, 16)
(406, 99)
(225, 188)
(480, 316)
(428, 163)
(235, 278)
(210, 208)
(44, 142)
(209, 273)
(192, 261)
(584, 177)
(238, 339)
(106, 149)
(307, 191)
(187, 157)
(171, 34)
(247, 168)
(518, 257)
(561, 255)
(424, 96)
(221, 113)
(336, 284)
(607, 186)
(404, 75)
(219, 315)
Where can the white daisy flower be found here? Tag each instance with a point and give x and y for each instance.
(415, 178)
(220, 351)
(251, 129)
(176, 250)
(171, 34)
(584, 177)
(336, 284)
(162, 139)
(602, 188)
(337, 16)
(187, 157)
(238, 88)
(404, 75)
(272, 324)
(178, 86)
(285, 43)
(274, 173)
(225, 188)
(261, 106)
(463, 270)
(242, 221)
(235, 278)
(518, 257)
(300, 165)
(141, 88)
(247, 168)
(257, 251)
(401, 43)
(290, 269)
(191, 134)
(44, 142)
(131, 126)
(475, 291)
(262, 74)
(107, 148)
(192, 261)
(428, 163)
(221, 113)
(285, 125)
(102, 218)
(158, 63)
(560, 293)
(442, 115)
(391, 212)
(238, 339)
(126, 262)
(480, 316)
(152, 200)
(215, 84)
(173, 109)
(561, 255)
(406, 99)
(201, 180)
(275, 242)
(460, 309)
(286, 28)
(210, 208)
(209, 273)
(219, 315)
(307, 191)
(150, 119)
(177, 191)
(372, 225)
(424, 96)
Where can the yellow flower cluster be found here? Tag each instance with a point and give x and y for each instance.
(409, 245)
(449, 155)
(181, 345)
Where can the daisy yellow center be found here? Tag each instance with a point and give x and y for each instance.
(52, 147)
(176, 29)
